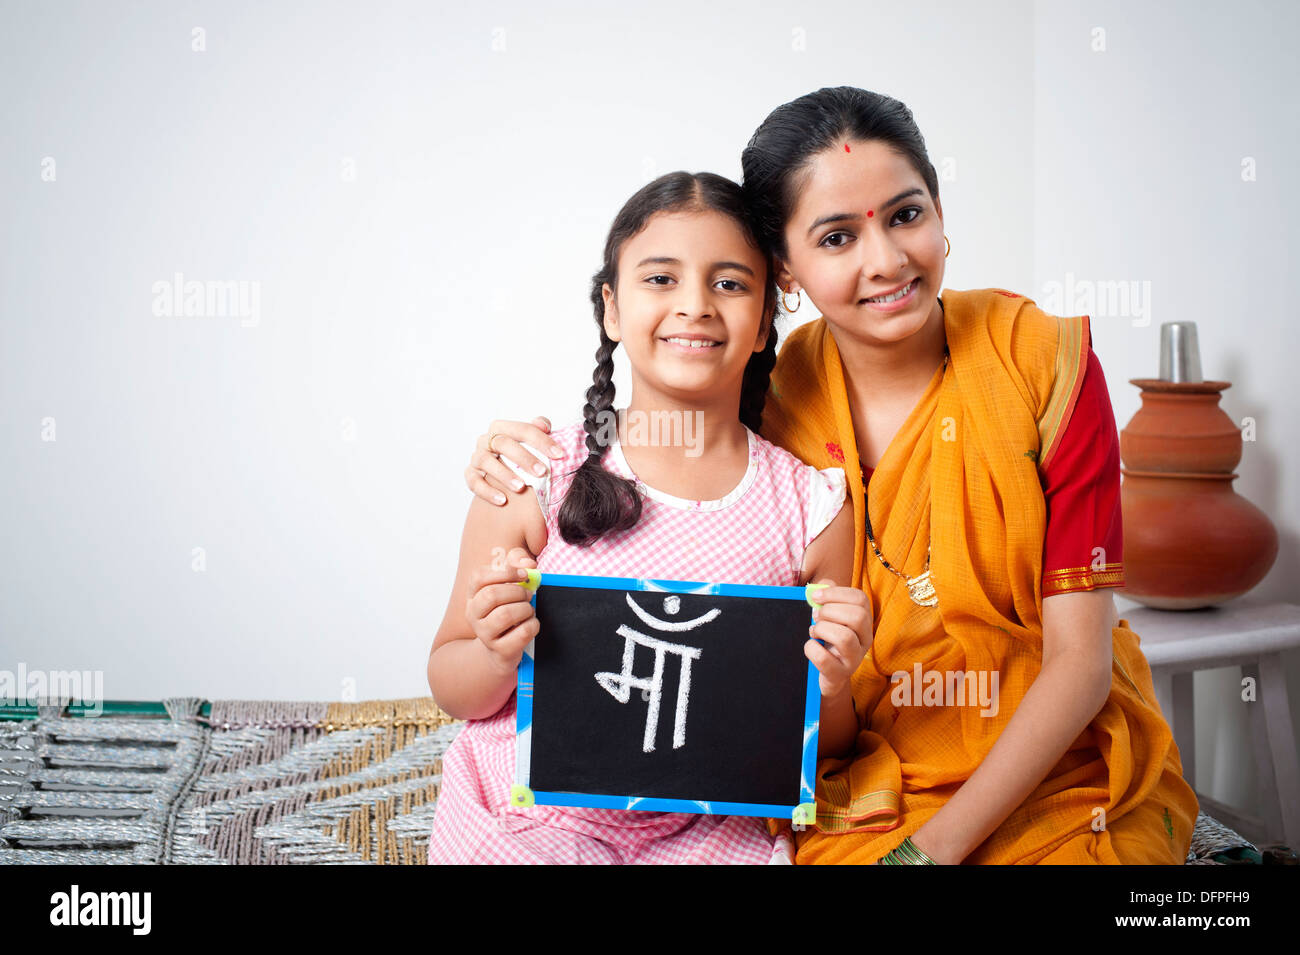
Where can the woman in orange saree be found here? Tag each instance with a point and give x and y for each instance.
(1005, 714)
(959, 479)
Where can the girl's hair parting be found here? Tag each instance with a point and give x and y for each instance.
(775, 163)
(599, 502)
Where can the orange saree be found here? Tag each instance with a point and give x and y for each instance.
(961, 478)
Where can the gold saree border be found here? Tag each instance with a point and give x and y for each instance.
(881, 805)
(1072, 579)
(1071, 364)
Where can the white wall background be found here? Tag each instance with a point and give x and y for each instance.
(422, 194)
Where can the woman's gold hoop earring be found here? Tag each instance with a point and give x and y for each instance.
(798, 299)
(947, 247)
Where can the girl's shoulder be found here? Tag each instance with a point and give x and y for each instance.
(572, 442)
(572, 439)
(829, 481)
(779, 456)
(776, 455)
(819, 494)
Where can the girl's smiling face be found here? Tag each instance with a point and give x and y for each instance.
(688, 276)
(863, 228)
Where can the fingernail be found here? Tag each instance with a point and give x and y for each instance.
(539, 470)
(517, 485)
(556, 452)
(499, 498)
(522, 573)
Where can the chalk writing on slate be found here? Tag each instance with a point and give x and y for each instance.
(620, 684)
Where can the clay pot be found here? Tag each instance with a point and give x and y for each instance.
(1190, 540)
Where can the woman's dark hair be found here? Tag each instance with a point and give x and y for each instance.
(599, 502)
(776, 161)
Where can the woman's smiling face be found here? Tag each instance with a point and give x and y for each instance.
(688, 276)
(863, 228)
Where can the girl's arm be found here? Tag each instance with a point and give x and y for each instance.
(843, 624)
(489, 620)
(1068, 692)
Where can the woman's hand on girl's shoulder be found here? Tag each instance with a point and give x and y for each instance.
(843, 625)
(487, 475)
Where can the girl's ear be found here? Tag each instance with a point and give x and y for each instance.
(611, 313)
(763, 336)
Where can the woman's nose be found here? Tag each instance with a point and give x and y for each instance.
(882, 258)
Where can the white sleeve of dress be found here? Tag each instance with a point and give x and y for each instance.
(542, 485)
(826, 495)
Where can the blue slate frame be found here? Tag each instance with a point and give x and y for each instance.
(804, 812)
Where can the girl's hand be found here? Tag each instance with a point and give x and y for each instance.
(487, 476)
(499, 611)
(844, 625)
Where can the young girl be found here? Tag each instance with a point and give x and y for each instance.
(688, 293)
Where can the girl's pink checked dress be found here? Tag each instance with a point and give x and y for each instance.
(757, 534)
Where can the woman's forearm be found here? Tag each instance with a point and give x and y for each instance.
(838, 727)
(466, 681)
(1056, 708)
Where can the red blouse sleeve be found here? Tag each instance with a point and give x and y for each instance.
(1083, 548)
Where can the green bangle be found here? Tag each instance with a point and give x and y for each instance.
(907, 854)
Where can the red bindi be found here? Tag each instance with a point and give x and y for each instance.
(870, 213)
(846, 147)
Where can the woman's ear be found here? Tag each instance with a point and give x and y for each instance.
(611, 313)
(784, 280)
(938, 207)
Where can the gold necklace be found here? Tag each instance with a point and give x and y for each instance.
(921, 587)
